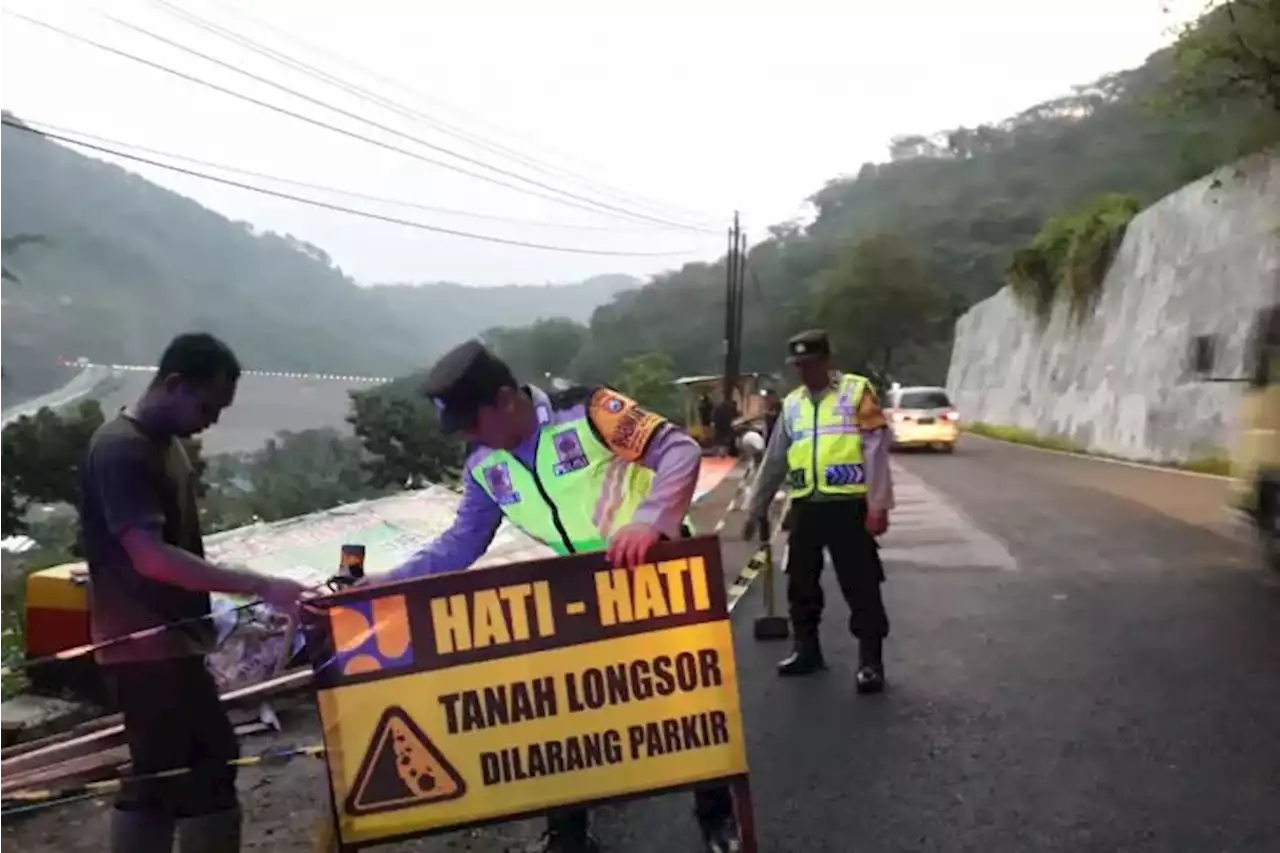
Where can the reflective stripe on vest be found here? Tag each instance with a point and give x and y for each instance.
(576, 494)
(826, 445)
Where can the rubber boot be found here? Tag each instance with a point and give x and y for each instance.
(212, 833)
(870, 676)
(805, 657)
(141, 832)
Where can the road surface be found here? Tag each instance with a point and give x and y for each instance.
(79, 385)
(1082, 659)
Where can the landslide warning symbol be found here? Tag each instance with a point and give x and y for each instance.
(401, 768)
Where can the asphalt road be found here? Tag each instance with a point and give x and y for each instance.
(1082, 659)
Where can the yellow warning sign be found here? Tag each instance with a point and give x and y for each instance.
(548, 685)
(401, 768)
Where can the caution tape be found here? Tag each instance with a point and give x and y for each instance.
(25, 800)
(142, 634)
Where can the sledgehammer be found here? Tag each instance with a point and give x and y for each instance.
(770, 626)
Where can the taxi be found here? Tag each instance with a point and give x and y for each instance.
(922, 416)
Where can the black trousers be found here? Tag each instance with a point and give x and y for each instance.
(711, 805)
(174, 719)
(839, 527)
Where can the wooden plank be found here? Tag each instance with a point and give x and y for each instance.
(78, 730)
(113, 736)
(95, 767)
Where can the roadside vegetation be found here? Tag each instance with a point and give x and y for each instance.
(1215, 462)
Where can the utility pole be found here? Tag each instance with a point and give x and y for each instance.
(734, 268)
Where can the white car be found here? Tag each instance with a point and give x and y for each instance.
(922, 416)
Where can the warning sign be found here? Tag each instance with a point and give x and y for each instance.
(402, 767)
(524, 688)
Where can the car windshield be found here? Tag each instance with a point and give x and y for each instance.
(936, 399)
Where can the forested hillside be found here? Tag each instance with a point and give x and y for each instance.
(943, 219)
(107, 265)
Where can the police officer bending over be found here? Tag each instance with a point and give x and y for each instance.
(549, 465)
(831, 446)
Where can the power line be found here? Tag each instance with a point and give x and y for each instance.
(317, 122)
(325, 188)
(395, 132)
(438, 124)
(335, 207)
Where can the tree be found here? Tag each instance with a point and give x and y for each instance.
(294, 474)
(1231, 53)
(648, 379)
(401, 434)
(41, 457)
(879, 303)
(545, 348)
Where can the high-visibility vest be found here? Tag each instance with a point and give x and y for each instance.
(825, 452)
(576, 494)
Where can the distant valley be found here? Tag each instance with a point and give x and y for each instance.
(118, 265)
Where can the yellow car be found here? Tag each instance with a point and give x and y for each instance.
(922, 416)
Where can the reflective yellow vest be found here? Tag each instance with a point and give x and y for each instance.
(576, 494)
(826, 445)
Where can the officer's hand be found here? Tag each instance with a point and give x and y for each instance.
(751, 528)
(629, 546)
(877, 522)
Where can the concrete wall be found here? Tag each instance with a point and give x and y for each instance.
(1201, 261)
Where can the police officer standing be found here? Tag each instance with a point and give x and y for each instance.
(831, 446)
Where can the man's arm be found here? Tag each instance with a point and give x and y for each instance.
(773, 470)
(120, 471)
(875, 451)
(473, 528)
(641, 436)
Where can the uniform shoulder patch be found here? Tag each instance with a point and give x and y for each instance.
(626, 427)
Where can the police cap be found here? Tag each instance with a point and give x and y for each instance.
(464, 379)
(809, 345)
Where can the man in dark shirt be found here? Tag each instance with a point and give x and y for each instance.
(140, 528)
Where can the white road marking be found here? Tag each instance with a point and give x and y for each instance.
(927, 528)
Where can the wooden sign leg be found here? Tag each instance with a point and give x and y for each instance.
(746, 814)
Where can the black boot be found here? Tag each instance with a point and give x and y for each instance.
(805, 657)
(714, 810)
(870, 677)
(141, 832)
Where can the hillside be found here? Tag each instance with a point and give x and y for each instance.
(123, 264)
(962, 201)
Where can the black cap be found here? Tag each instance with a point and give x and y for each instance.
(464, 379)
(808, 345)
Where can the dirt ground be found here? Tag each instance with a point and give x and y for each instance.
(284, 805)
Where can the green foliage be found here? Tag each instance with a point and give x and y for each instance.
(647, 379)
(1231, 55)
(967, 201)
(1071, 255)
(401, 435)
(294, 474)
(41, 458)
(545, 348)
(880, 303)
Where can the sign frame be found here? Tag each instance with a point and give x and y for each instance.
(579, 569)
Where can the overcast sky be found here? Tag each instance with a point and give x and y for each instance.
(683, 111)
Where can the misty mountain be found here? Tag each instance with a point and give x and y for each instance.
(121, 265)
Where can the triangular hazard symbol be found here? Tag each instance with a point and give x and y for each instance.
(401, 768)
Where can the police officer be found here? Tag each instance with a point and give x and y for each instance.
(549, 465)
(831, 446)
